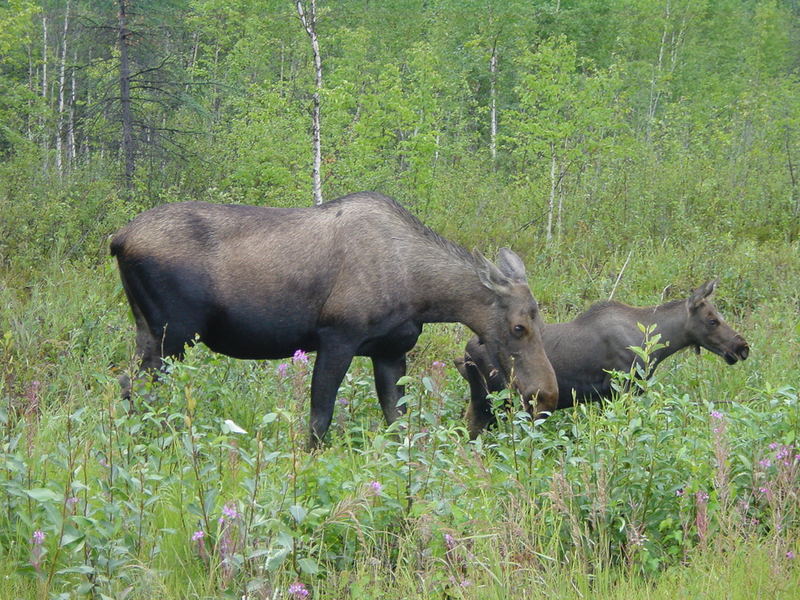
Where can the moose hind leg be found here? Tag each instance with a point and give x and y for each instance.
(387, 372)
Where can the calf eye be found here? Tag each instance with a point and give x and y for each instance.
(713, 322)
(519, 330)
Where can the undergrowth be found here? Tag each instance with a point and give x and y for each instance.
(201, 487)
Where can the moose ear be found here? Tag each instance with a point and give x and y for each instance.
(511, 265)
(490, 276)
(701, 293)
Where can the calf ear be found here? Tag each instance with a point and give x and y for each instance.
(511, 265)
(701, 293)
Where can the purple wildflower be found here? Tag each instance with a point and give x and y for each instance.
(790, 555)
(715, 414)
(438, 365)
(449, 541)
(72, 501)
(465, 583)
(375, 487)
(282, 369)
(679, 492)
(229, 510)
(298, 590)
(765, 463)
(702, 496)
(763, 490)
(343, 401)
(773, 445)
(300, 357)
(37, 551)
(198, 535)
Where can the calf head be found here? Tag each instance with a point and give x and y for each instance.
(708, 329)
(514, 337)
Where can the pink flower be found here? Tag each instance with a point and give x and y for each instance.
(198, 535)
(790, 555)
(701, 496)
(449, 541)
(300, 357)
(763, 490)
(38, 537)
(375, 487)
(766, 463)
(298, 590)
(715, 414)
(229, 510)
(282, 369)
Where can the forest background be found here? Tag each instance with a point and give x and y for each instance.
(631, 147)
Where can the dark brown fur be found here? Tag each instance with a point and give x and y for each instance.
(355, 276)
(584, 350)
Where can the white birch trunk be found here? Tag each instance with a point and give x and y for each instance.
(45, 140)
(553, 185)
(309, 22)
(71, 122)
(61, 85)
(493, 101)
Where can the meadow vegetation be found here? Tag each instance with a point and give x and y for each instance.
(642, 148)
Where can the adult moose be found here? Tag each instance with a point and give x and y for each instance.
(357, 276)
(583, 351)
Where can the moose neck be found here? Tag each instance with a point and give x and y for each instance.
(670, 321)
(454, 293)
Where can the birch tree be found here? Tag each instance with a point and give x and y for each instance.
(61, 89)
(309, 20)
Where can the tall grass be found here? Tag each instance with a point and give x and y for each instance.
(200, 488)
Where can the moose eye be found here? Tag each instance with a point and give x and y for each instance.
(519, 330)
(713, 322)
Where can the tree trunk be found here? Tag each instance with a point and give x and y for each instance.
(655, 93)
(71, 122)
(553, 188)
(42, 121)
(493, 97)
(125, 95)
(309, 22)
(61, 85)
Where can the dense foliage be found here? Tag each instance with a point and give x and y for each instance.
(633, 147)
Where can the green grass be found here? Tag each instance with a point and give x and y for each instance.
(604, 501)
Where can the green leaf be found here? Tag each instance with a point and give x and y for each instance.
(229, 426)
(80, 569)
(275, 558)
(44, 495)
(298, 512)
(308, 565)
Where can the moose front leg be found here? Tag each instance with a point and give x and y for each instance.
(331, 364)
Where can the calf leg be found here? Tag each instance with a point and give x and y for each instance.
(387, 372)
(479, 412)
